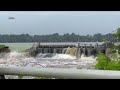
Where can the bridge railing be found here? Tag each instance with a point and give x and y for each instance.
(59, 73)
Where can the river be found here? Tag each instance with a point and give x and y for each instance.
(17, 57)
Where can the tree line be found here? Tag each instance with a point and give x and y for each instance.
(12, 38)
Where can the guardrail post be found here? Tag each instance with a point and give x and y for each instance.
(2, 77)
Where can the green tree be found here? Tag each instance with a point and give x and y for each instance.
(55, 37)
(97, 37)
(117, 34)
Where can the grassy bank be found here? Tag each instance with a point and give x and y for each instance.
(3, 46)
(19, 47)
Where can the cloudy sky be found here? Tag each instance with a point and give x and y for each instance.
(49, 22)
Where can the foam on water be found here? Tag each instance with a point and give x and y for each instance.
(15, 58)
(45, 60)
(63, 56)
(87, 58)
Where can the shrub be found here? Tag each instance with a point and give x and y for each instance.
(102, 62)
(113, 65)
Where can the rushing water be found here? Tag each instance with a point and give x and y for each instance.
(17, 58)
(45, 60)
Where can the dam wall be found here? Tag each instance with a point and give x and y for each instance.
(75, 49)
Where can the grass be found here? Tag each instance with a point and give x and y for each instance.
(2, 46)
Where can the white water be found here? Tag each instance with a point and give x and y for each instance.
(15, 59)
(42, 61)
(63, 56)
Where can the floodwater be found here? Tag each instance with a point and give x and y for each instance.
(17, 57)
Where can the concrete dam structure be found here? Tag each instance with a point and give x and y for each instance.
(73, 48)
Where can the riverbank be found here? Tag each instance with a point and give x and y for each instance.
(4, 49)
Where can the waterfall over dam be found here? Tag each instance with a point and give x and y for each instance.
(55, 55)
(73, 48)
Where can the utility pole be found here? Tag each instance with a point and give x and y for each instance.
(78, 38)
(108, 37)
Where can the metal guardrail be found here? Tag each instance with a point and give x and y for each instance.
(60, 73)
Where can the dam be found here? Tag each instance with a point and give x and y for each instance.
(72, 48)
